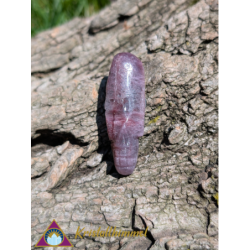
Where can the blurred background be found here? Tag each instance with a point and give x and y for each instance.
(46, 14)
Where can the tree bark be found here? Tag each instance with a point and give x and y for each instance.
(174, 188)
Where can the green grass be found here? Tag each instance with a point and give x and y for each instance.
(46, 14)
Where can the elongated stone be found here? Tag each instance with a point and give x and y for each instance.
(125, 110)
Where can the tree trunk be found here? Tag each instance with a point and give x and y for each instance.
(174, 188)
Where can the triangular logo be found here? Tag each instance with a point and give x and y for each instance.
(53, 237)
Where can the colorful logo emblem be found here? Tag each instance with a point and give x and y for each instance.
(53, 237)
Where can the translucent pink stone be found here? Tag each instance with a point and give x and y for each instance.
(125, 110)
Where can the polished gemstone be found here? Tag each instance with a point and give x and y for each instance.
(125, 110)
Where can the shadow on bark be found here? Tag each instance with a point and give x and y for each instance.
(52, 138)
(104, 144)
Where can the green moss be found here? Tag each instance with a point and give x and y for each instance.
(153, 120)
(158, 109)
(193, 2)
(216, 196)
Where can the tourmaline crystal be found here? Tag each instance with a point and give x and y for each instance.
(125, 110)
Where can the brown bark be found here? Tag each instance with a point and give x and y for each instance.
(173, 189)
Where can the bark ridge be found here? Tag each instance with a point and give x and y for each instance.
(174, 188)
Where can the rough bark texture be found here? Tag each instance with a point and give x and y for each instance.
(174, 188)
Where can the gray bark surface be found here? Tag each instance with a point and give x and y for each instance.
(173, 190)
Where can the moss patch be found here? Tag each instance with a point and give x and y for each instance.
(158, 109)
(216, 196)
(153, 120)
(193, 2)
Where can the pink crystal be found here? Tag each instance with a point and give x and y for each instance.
(125, 110)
